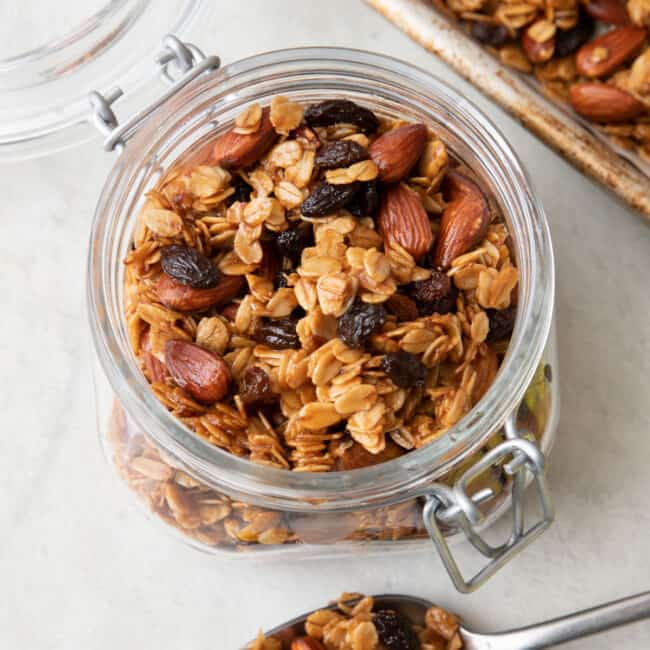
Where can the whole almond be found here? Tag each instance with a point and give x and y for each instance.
(603, 55)
(464, 219)
(178, 296)
(203, 374)
(154, 369)
(537, 51)
(237, 150)
(307, 643)
(397, 151)
(601, 102)
(613, 12)
(402, 219)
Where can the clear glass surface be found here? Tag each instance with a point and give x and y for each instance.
(379, 503)
(45, 79)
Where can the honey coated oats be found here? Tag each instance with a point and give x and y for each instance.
(356, 623)
(319, 289)
(592, 54)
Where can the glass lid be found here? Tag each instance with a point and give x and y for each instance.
(52, 54)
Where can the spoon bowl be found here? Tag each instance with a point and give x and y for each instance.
(542, 635)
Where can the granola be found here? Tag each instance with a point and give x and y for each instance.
(339, 263)
(590, 54)
(356, 623)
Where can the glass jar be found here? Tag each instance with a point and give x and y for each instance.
(458, 483)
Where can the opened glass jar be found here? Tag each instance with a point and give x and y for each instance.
(458, 483)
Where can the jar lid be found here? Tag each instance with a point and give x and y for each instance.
(49, 66)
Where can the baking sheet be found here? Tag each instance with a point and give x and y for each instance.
(590, 152)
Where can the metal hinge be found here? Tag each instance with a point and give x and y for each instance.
(180, 64)
(454, 507)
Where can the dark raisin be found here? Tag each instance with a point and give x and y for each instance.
(279, 334)
(502, 322)
(326, 198)
(359, 321)
(242, 191)
(255, 388)
(436, 295)
(569, 40)
(189, 267)
(394, 631)
(291, 243)
(489, 33)
(366, 200)
(403, 307)
(336, 111)
(280, 281)
(342, 153)
(404, 369)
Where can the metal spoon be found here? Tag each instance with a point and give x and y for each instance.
(542, 635)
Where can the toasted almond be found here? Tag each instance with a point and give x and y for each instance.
(240, 150)
(182, 298)
(464, 220)
(608, 11)
(396, 152)
(601, 102)
(402, 220)
(605, 54)
(203, 374)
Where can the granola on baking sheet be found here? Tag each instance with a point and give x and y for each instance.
(321, 288)
(356, 623)
(590, 54)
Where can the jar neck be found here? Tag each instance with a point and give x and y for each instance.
(311, 74)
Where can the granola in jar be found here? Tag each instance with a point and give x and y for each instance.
(591, 54)
(319, 289)
(357, 623)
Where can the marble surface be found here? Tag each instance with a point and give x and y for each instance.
(81, 568)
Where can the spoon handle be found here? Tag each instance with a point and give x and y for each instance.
(578, 625)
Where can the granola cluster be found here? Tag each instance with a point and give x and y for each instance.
(592, 54)
(318, 289)
(355, 623)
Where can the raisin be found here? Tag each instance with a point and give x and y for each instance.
(291, 243)
(403, 307)
(489, 33)
(437, 294)
(255, 388)
(342, 153)
(365, 201)
(271, 262)
(394, 631)
(359, 321)
(279, 334)
(242, 191)
(404, 369)
(502, 322)
(336, 111)
(280, 281)
(327, 198)
(569, 40)
(189, 267)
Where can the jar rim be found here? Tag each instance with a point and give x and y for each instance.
(392, 481)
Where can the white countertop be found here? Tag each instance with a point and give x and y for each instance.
(81, 568)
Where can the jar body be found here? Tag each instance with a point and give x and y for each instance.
(222, 503)
(207, 518)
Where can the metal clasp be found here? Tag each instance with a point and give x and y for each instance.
(180, 63)
(454, 507)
